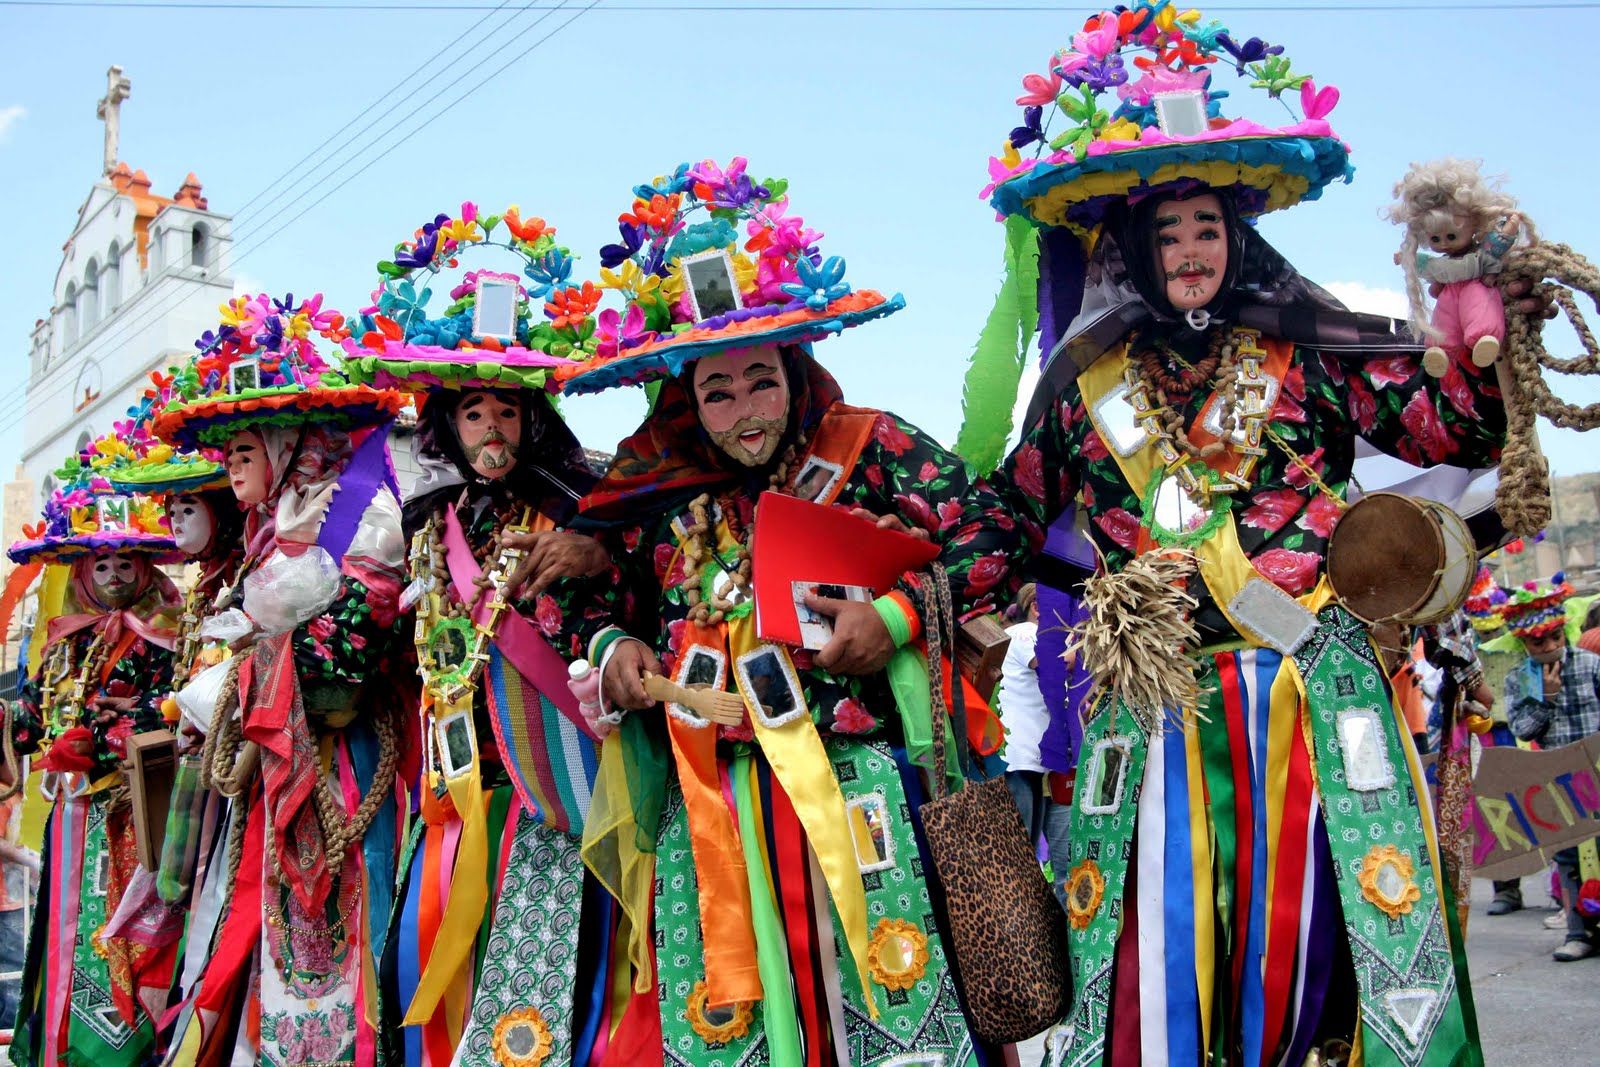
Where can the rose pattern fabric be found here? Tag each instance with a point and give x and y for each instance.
(1284, 520)
(892, 477)
(143, 671)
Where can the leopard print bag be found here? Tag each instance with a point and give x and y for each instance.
(1007, 930)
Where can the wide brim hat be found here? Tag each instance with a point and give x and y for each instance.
(173, 477)
(744, 328)
(73, 547)
(211, 422)
(1535, 609)
(403, 342)
(292, 385)
(762, 266)
(1138, 88)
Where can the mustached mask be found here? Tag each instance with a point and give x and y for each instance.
(115, 580)
(1195, 278)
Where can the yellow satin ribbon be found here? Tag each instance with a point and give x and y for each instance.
(469, 896)
(802, 767)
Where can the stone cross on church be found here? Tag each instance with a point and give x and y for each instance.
(109, 111)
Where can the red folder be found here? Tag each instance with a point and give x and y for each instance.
(800, 541)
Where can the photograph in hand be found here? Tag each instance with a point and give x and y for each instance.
(816, 629)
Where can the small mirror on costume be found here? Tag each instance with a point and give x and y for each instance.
(713, 288)
(1181, 113)
(457, 744)
(245, 374)
(817, 479)
(702, 669)
(767, 682)
(495, 313)
(112, 512)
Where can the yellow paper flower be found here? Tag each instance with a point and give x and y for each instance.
(461, 230)
(744, 271)
(1169, 17)
(298, 327)
(234, 311)
(1009, 154)
(1121, 130)
(630, 280)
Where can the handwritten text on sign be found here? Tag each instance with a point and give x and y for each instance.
(1530, 804)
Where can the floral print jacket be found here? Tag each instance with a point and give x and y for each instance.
(144, 671)
(902, 471)
(1325, 403)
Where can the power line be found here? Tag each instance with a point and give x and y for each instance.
(137, 320)
(792, 8)
(179, 293)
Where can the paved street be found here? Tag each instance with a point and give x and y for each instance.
(1531, 1009)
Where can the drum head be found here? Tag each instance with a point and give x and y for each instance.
(1460, 565)
(1384, 557)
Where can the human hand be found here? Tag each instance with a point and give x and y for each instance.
(300, 512)
(861, 643)
(1552, 680)
(1537, 304)
(553, 554)
(623, 683)
(190, 739)
(109, 709)
(890, 522)
(1511, 224)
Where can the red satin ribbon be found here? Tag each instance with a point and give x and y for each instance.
(1283, 937)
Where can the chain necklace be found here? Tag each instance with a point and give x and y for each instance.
(1235, 359)
(699, 546)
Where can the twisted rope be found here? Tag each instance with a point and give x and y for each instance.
(1554, 271)
(12, 763)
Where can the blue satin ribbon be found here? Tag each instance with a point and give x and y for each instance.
(408, 971)
(598, 903)
(1183, 996)
(1257, 706)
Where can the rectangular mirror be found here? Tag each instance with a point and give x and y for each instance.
(495, 313)
(712, 286)
(1181, 113)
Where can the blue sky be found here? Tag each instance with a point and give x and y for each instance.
(882, 121)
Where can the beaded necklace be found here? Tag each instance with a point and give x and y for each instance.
(1235, 358)
(699, 546)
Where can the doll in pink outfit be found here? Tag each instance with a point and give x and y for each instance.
(1458, 229)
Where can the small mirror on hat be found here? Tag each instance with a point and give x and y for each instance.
(1181, 113)
(712, 286)
(495, 313)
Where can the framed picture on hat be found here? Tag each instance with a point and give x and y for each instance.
(112, 512)
(245, 374)
(713, 288)
(1181, 113)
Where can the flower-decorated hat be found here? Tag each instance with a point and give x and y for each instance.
(1132, 105)
(712, 260)
(1535, 609)
(87, 515)
(134, 461)
(1484, 601)
(262, 368)
(490, 333)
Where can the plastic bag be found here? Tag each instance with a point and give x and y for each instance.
(289, 590)
(226, 626)
(197, 701)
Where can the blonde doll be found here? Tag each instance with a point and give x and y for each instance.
(1458, 229)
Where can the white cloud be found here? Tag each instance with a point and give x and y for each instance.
(1373, 299)
(9, 117)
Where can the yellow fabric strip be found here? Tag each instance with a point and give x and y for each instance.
(1284, 714)
(469, 896)
(1200, 847)
(802, 767)
(611, 852)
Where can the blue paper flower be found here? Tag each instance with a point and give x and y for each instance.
(548, 272)
(676, 182)
(819, 285)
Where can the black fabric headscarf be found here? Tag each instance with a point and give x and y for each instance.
(551, 472)
(1120, 292)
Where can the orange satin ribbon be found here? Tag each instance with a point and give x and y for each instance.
(726, 926)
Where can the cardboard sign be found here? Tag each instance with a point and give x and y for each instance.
(1529, 805)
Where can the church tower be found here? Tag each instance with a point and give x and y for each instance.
(140, 278)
